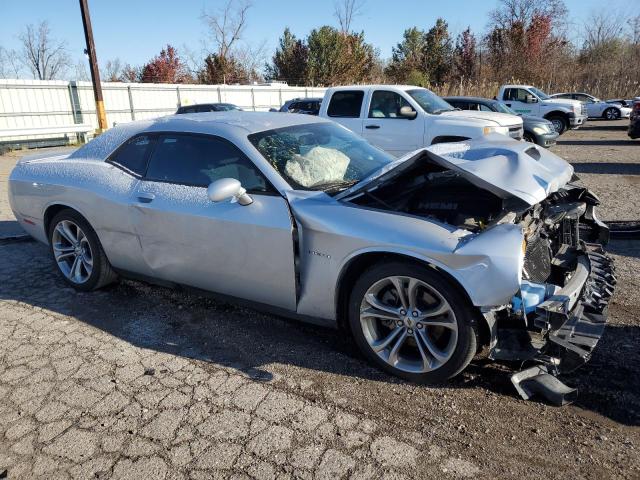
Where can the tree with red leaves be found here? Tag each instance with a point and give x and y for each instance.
(165, 68)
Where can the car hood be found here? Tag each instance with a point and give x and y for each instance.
(501, 119)
(499, 164)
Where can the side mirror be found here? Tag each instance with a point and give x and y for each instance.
(408, 112)
(228, 188)
(532, 99)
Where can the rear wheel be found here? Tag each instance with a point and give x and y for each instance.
(77, 252)
(559, 123)
(611, 113)
(412, 323)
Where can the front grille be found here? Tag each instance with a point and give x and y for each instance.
(537, 259)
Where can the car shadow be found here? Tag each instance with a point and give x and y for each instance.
(10, 229)
(197, 327)
(604, 143)
(607, 168)
(602, 125)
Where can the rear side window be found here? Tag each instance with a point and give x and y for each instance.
(199, 160)
(346, 104)
(132, 156)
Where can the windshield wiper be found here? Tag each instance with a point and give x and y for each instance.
(336, 186)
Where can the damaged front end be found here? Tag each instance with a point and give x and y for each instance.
(559, 313)
(557, 330)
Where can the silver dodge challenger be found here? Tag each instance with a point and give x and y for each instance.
(486, 246)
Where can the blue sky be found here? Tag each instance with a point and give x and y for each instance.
(136, 30)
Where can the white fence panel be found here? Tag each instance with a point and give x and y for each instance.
(26, 104)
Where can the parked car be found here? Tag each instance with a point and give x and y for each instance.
(634, 121)
(597, 108)
(536, 129)
(625, 102)
(402, 118)
(308, 106)
(422, 259)
(528, 100)
(207, 107)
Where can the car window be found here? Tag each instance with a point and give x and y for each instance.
(132, 156)
(516, 94)
(485, 108)
(386, 104)
(346, 104)
(458, 104)
(188, 110)
(205, 108)
(199, 160)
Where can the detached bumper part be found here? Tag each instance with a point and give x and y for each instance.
(572, 320)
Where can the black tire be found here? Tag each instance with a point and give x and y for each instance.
(467, 336)
(529, 137)
(559, 123)
(102, 273)
(611, 113)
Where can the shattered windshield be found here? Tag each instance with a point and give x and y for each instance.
(319, 156)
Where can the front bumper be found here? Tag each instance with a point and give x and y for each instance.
(547, 139)
(573, 320)
(576, 120)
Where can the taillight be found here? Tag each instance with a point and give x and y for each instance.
(636, 107)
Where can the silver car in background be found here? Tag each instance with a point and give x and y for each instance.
(423, 260)
(597, 108)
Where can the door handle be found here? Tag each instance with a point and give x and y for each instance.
(144, 197)
(372, 127)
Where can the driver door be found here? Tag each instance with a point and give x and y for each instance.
(241, 251)
(516, 98)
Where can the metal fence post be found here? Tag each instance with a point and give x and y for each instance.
(280, 97)
(178, 93)
(253, 100)
(131, 108)
(219, 95)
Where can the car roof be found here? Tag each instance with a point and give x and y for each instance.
(377, 86)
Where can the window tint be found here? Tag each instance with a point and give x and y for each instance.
(205, 108)
(458, 104)
(133, 154)
(385, 104)
(485, 108)
(346, 104)
(187, 109)
(200, 160)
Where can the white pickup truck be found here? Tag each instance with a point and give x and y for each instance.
(402, 118)
(528, 100)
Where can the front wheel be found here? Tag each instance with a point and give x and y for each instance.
(528, 137)
(77, 252)
(412, 323)
(611, 114)
(560, 124)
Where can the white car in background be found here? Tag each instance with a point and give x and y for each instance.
(597, 108)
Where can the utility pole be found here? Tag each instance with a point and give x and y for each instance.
(93, 66)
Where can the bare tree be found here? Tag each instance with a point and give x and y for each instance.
(227, 25)
(345, 11)
(601, 28)
(81, 73)
(9, 64)
(45, 57)
(112, 71)
(251, 59)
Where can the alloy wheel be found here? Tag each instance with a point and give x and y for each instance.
(408, 324)
(72, 251)
(558, 125)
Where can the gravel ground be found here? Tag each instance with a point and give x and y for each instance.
(138, 380)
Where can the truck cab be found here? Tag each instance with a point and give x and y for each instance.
(403, 118)
(528, 100)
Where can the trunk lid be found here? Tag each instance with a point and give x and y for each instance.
(505, 167)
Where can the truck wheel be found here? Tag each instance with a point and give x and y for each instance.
(559, 123)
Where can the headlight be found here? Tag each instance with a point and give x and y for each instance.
(577, 108)
(541, 129)
(502, 130)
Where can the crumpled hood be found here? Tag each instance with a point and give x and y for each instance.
(501, 119)
(505, 167)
